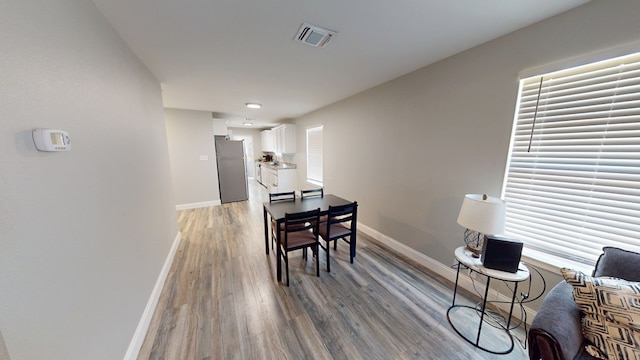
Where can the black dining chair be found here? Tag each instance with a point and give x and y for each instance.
(341, 223)
(300, 232)
(305, 194)
(282, 196)
(311, 193)
(279, 197)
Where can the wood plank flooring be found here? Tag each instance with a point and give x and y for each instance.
(221, 299)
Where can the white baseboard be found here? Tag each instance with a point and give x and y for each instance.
(198, 205)
(443, 270)
(145, 320)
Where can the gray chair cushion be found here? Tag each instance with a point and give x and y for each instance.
(618, 263)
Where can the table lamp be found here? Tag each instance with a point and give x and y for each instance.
(480, 215)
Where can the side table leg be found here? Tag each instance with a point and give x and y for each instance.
(513, 300)
(455, 288)
(484, 305)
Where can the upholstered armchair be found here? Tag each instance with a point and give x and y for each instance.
(556, 331)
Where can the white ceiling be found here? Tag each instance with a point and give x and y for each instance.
(216, 55)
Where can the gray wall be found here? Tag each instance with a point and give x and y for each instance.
(83, 234)
(410, 149)
(190, 135)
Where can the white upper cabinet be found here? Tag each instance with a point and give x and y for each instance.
(268, 143)
(284, 137)
(220, 127)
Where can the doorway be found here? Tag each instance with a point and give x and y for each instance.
(248, 151)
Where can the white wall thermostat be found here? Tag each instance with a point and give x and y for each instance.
(51, 140)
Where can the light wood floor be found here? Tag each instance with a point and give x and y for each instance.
(221, 299)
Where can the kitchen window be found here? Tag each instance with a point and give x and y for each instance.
(572, 183)
(314, 155)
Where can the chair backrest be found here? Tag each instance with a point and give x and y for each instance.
(312, 192)
(303, 221)
(283, 196)
(342, 214)
(615, 262)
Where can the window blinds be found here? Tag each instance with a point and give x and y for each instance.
(573, 178)
(314, 155)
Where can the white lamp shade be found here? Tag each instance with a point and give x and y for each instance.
(484, 215)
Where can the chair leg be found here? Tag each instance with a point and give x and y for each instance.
(317, 247)
(286, 264)
(352, 245)
(328, 261)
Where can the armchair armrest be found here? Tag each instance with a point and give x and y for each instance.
(556, 331)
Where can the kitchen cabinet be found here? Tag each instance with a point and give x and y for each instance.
(284, 137)
(277, 179)
(271, 179)
(258, 172)
(282, 180)
(268, 144)
(264, 175)
(287, 180)
(220, 128)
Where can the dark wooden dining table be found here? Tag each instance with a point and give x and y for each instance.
(277, 211)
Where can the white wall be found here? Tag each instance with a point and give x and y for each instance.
(191, 135)
(257, 141)
(410, 149)
(251, 137)
(83, 234)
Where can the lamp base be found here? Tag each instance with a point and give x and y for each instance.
(474, 241)
(474, 252)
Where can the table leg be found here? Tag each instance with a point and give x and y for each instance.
(484, 306)
(513, 300)
(455, 288)
(266, 229)
(278, 252)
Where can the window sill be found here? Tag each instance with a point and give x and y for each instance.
(552, 263)
(314, 182)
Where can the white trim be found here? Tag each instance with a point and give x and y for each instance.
(553, 263)
(147, 315)
(313, 182)
(440, 269)
(584, 59)
(198, 205)
(411, 253)
(317, 179)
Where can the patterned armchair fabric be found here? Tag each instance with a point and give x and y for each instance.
(611, 314)
(556, 331)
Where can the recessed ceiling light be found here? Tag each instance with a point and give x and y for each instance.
(247, 122)
(253, 105)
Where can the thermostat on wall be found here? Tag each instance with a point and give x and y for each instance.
(51, 140)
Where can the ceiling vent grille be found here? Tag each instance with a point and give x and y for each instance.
(314, 35)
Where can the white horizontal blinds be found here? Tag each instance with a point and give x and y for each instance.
(573, 178)
(314, 154)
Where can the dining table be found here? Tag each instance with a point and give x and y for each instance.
(277, 211)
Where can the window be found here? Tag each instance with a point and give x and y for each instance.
(572, 183)
(314, 155)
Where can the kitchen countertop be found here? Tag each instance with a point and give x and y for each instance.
(280, 166)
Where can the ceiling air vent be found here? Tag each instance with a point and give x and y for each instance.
(314, 35)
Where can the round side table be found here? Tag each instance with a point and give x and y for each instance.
(464, 258)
